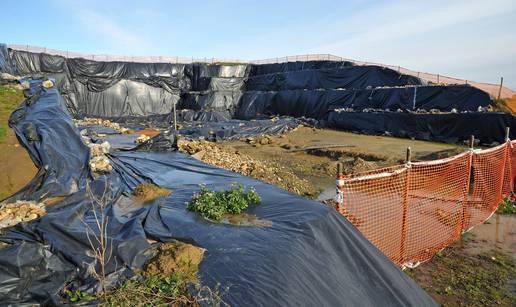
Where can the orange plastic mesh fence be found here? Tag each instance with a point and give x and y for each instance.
(412, 211)
(512, 161)
(489, 178)
(373, 203)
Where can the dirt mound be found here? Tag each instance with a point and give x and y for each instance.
(20, 211)
(177, 258)
(233, 160)
(148, 191)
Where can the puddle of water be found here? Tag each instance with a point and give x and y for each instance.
(497, 233)
(327, 193)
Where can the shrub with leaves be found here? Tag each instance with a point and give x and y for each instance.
(508, 206)
(213, 205)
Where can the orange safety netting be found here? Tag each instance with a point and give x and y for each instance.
(412, 211)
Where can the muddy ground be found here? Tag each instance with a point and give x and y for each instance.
(16, 167)
(478, 270)
(318, 164)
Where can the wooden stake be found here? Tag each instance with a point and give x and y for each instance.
(407, 158)
(471, 141)
(507, 132)
(339, 169)
(500, 89)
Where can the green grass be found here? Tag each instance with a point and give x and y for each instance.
(213, 205)
(10, 98)
(476, 280)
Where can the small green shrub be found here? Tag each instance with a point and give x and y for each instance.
(508, 206)
(78, 295)
(213, 205)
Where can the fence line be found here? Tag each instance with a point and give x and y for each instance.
(492, 89)
(412, 211)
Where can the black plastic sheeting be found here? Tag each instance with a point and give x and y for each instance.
(448, 128)
(309, 255)
(349, 77)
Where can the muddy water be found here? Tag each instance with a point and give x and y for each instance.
(498, 233)
(328, 192)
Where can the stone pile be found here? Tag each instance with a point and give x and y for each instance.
(20, 211)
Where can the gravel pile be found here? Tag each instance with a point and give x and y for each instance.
(20, 211)
(100, 122)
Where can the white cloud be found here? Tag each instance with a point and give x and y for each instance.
(389, 22)
(116, 37)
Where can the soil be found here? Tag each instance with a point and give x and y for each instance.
(318, 165)
(147, 131)
(16, 167)
(245, 219)
(511, 104)
(146, 192)
(177, 258)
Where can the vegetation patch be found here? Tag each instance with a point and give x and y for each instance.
(153, 291)
(508, 206)
(213, 205)
(500, 105)
(455, 278)
(167, 276)
(149, 191)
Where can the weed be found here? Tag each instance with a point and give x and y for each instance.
(461, 280)
(98, 238)
(213, 205)
(500, 105)
(508, 206)
(78, 295)
(154, 291)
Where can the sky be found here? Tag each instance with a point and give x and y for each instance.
(473, 40)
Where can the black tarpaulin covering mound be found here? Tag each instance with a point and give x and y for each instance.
(307, 255)
(487, 127)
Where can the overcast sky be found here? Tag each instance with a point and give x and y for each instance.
(474, 40)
